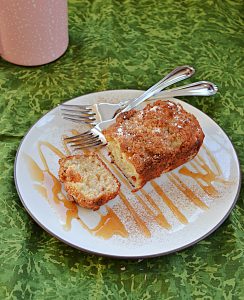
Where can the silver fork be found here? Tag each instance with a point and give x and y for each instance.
(94, 136)
(95, 113)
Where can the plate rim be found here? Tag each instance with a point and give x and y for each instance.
(125, 256)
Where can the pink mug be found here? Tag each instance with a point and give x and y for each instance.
(33, 32)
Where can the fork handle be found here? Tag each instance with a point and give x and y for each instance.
(178, 74)
(200, 88)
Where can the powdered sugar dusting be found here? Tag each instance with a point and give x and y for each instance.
(120, 131)
(154, 108)
(148, 212)
(156, 130)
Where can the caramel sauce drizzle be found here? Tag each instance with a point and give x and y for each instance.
(75, 132)
(214, 161)
(159, 218)
(204, 175)
(137, 219)
(110, 224)
(65, 145)
(52, 148)
(141, 224)
(185, 190)
(51, 189)
(169, 203)
(41, 190)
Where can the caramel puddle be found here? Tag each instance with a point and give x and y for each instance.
(110, 225)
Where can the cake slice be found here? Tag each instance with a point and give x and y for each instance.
(146, 143)
(87, 180)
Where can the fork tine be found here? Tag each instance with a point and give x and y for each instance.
(82, 146)
(82, 138)
(82, 141)
(89, 122)
(87, 106)
(80, 117)
(86, 133)
(84, 111)
(79, 145)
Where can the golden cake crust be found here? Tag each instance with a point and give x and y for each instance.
(156, 139)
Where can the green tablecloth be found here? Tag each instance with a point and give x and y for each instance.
(124, 45)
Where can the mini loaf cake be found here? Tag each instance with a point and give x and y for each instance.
(87, 180)
(146, 143)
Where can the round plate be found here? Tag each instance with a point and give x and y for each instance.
(170, 213)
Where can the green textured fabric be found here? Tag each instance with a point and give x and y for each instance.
(120, 45)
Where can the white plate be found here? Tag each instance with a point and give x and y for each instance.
(136, 225)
